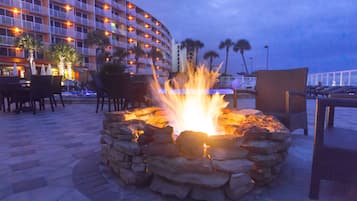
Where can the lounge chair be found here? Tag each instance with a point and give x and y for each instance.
(281, 93)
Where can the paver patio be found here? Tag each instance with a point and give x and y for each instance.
(55, 156)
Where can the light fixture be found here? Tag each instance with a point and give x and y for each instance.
(69, 39)
(106, 7)
(147, 26)
(147, 16)
(130, 17)
(107, 33)
(130, 6)
(131, 29)
(69, 23)
(131, 40)
(67, 7)
(106, 20)
(16, 11)
(17, 30)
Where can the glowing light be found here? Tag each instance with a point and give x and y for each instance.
(157, 23)
(131, 29)
(69, 39)
(131, 40)
(106, 20)
(130, 17)
(157, 41)
(16, 11)
(147, 26)
(107, 33)
(130, 6)
(106, 7)
(147, 45)
(187, 103)
(17, 49)
(131, 62)
(67, 7)
(158, 32)
(69, 23)
(17, 30)
(147, 16)
(147, 36)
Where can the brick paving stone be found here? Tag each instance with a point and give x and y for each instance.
(22, 152)
(20, 143)
(73, 145)
(28, 185)
(25, 165)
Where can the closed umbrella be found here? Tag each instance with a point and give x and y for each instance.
(33, 68)
(14, 70)
(49, 71)
(43, 71)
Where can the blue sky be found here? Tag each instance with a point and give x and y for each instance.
(319, 34)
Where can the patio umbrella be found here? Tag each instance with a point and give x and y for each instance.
(49, 71)
(14, 70)
(43, 71)
(33, 68)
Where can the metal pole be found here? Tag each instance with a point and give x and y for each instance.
(267, 58)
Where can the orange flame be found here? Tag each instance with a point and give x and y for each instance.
(187, 102)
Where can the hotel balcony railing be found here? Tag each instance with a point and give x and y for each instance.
(143, 39)
(118, 5)
(102, 12)
(35, 26)
(81, 5)
(9, 21)
(119, 18)
(8, 40)
(102, 26)
(86, 51)
(147, 20)
(131, 22)
(33, 7)
(59, 31)
(57, 13)
(15, 3)
(81, 20)
(81, 35)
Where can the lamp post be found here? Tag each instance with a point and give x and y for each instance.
(267, 58)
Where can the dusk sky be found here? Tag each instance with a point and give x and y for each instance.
(319, 34)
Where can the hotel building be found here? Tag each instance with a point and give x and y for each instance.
(54, 21)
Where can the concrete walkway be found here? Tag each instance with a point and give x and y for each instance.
(55, 156)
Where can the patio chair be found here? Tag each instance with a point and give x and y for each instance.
(6, 91)
(281, 93)
(335, 150)
(41, 88)
(119, 90)
(99, 89)
(57, 88)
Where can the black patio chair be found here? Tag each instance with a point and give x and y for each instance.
(119, 90)
(7, 86)
(281, 93)
(99, 89)
(335, 150)
(57, 88)
(41, 88)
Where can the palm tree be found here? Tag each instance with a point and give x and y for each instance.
(197, 45)
(226, 44)
(139, 52)
(210, 55)
(241, 46)
(98, 39)
(188, 43)
(29, 43)
(154, 55)
(119, 55)
(63, 53)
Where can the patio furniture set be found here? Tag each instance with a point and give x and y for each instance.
(26, 95)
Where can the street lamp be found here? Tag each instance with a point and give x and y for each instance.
(267, 58)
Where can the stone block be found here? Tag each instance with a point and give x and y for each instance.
(165, 150)
(239, 185)
(233, 166)
(228, 153)
(170, 188)
(190, 144)
(129, 148)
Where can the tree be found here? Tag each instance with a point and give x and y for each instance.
(29, 43)
(119, 55)
(139, 52)
(226, 44)
(155, 54)
(241, 46)
(63, 53)
(98, 39)
(197, 45)
(210, 55)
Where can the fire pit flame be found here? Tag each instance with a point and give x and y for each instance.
(187, 102)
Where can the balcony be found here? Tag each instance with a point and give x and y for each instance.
(121, 7)
(81, 5)
(33, 7)
(81, 20)
(10, 21)
(81, 35)
(102, 12)
(15, 3)
(35, 26)
(59, 31)
(119, 18)
(100, 25)
(58, 14)
(7, 40)
(86, 51)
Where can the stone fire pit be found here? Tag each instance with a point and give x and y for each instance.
(141, 148)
